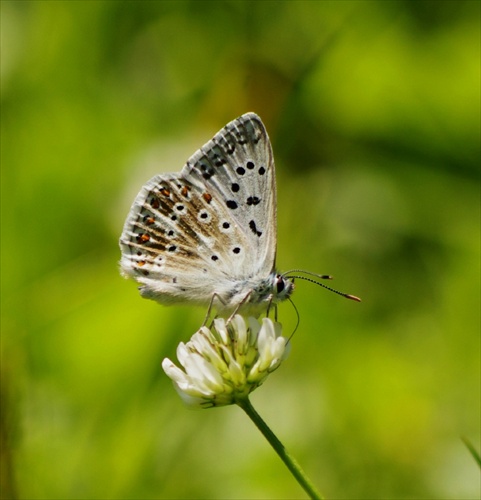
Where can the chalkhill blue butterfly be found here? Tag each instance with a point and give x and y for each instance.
(207, 235)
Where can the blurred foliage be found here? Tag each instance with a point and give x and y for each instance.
(373, 108)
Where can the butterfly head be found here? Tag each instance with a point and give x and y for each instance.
(271, 290)
(282, 288)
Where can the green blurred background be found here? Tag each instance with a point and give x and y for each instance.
(373, 108)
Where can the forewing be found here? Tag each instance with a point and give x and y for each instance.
(237, 168)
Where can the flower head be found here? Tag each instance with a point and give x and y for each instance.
(224, 364)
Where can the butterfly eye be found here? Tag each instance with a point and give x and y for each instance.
(280, 285)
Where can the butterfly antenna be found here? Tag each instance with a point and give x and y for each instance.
(320, 276)
(342, 294)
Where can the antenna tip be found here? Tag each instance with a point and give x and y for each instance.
(353, 297)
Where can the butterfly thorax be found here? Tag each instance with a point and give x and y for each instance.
(254, 295)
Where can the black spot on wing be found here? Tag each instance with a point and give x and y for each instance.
(254, 229)
(253, 200)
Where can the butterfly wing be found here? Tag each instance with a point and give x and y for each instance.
(237, 167)
(211, 228)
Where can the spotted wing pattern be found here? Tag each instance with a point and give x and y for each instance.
(210, 229)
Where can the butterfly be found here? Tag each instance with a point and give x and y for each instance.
(208, 234)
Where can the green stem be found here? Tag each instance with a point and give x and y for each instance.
(286, 457)
(472, 450)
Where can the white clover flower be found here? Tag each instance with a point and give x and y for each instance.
(223, 365)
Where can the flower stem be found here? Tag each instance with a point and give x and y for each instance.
(286, 457)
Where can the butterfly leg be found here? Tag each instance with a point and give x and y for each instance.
(274, 306)
(211, 306)
(238, 306)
